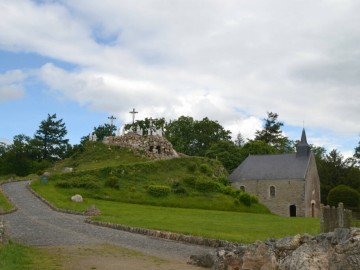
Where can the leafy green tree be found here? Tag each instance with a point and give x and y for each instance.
(193, 137)
(272, 134)
(51, 137)
(345, 194)
(357, 154)
(180, 133)
(227, 153)
(17, 157)
(257, 148)
(103, 131)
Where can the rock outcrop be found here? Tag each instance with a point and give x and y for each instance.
(338, 250)
(153, 146)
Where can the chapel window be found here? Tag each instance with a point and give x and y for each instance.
(242, 188)
(272, 192)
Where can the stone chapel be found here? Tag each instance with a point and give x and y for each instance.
(288, 184)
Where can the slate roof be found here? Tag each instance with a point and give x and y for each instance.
(271, 167)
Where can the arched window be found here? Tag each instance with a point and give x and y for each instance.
(272, 192)
(242, 188)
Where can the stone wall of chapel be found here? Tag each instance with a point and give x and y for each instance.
(312, 190)
(287, 192)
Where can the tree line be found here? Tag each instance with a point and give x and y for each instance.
(192, 137)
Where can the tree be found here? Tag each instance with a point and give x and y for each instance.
(257, 148)
(50, 136)
(345, 194)
(180, 133)
(193, 137)
(240, 141)
(357, 154)
(147, 126)
(16, 159)
(227, 153)
(272, 134)
(103, 131)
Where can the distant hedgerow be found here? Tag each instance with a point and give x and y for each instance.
(159, 190)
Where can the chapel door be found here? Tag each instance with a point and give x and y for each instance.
(293, 210)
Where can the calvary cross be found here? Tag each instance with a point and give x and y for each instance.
(133, 112)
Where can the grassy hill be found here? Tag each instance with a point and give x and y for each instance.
(112, 173)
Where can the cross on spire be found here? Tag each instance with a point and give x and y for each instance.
(133, 112)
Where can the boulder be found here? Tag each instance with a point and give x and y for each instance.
(77, 198)
(338, 250)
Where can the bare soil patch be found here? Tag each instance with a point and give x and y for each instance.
(108, 257)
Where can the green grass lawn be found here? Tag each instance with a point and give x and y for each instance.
(231, 226)
(225, 225)
(14, 256)
(5, 205)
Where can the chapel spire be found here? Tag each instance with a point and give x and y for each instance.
(303, 148)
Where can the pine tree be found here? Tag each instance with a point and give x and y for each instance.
(50, 137)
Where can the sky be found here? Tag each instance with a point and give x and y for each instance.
(229, 60)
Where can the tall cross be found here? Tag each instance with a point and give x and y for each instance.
(133, 112)
(112, 118)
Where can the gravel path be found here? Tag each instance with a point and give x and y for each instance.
(36, 224)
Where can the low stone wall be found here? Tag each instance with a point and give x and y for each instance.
(332, 218)
(2, 231)
(338, 250)
(166, 235)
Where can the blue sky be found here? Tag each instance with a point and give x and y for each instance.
(232, 61)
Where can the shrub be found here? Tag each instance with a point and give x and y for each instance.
(254, 198)
(245, 198)
(180, 190)
(82, 182)
(159, 190)
(112, 182)
(345, 194)
(205, 169)
(64, 184)
(223, 180)
(205, 185)
(227, 190)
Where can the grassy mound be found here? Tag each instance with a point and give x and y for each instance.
(111, 173)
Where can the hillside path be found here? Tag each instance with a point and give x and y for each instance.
(35, 224)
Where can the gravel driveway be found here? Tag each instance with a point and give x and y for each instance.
(36, 224)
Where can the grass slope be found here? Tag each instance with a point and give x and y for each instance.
(189, 192)
(189, 182)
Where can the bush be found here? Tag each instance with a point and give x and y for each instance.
(254, 199)
(159, 190)
(223, 180)
(112, 182)
(227, 190)
(204, 185)
(345, 194)
(82, 182)
(245, 198)
(205, 169)
(180, 190)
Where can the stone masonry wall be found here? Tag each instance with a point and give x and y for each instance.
(312, 190)
(154, 146)
(332, 218)
(286, 193)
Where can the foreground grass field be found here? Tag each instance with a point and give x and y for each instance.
(15, 256)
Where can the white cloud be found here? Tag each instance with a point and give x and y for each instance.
(11, 85)
(229, 60)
